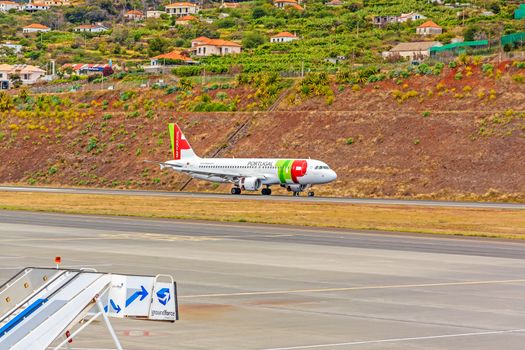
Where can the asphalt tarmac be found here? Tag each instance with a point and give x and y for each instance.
(244, 286)
(256, 196)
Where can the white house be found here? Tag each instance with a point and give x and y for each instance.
(16, 48)
(411, 51)
(8, 5)
(27, 74)
(91, 28)
(429, 28)
(35, 6)
(283, 37)
(35, 28)
(154, 14)
(412, 16)
(203, 46)
(180, 9)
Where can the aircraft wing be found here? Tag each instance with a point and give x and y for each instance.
(229, 176)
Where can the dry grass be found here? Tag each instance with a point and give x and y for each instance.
(451, 221)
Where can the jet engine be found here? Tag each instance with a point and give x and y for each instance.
(295, 188)
(250, 183)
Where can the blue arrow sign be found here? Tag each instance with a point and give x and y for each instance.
(115, 307)
(164, 296)
(140, 293)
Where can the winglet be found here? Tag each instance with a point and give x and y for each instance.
(180, 147)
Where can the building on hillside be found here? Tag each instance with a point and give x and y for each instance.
(412, 16)
(56, 2)
(87, 68)
(134, 15)
(519, 13)
(180, 9)
(382, 21)
(9, 5)
(15, 47)
(154, 14)
(35, 28)
(283, 37)
(34, 7)
(203, 46)
(91, 28)
(411, 51)
(185, 20)
(287, 3)
(230, 5)
(166, 62)
(429, 28)
(334, 3)
(26, 73)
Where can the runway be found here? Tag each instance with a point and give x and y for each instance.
(370, 201)
(261, 287)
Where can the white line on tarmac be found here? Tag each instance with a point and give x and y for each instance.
(343, 289)
(394, 340)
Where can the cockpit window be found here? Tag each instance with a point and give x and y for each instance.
(322, 167)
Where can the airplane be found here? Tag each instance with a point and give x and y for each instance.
(247, 174)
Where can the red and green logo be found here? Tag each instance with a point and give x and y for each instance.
(290, 170)
(177, 142)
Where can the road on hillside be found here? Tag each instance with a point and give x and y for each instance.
(370, 201)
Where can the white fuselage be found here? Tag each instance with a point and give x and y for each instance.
(270, 171)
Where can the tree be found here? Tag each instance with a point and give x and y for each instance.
(253, 39)
(258, 12)
(157, 46)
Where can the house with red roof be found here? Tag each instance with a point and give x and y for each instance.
(429, 28)
(134, 15)
(282, 4)
(203, 46)
(283, 37)
(167, 61)
(35, 6)
(8, 5)
(35, 28)
(180, 9)
(185, 20)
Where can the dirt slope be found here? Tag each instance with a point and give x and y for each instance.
(452, 140)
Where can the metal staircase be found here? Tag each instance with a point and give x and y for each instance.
(47, 307)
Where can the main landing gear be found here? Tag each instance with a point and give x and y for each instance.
(235, 190)
(266, 191)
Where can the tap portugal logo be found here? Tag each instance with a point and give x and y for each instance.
(178, 143)
(290, 170)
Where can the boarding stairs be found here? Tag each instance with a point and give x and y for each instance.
(43, 308)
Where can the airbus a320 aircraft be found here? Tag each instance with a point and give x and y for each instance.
(247, 174)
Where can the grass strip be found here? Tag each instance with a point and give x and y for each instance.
(498, 223)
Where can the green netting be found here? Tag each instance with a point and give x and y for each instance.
(512, 38)
(520, 12)
(459, 46)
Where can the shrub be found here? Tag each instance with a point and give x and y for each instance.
(92, 144)
(452, 64)
(518, 78)
(426, 114)
(349, 141)
(458, 76)
(126, 95)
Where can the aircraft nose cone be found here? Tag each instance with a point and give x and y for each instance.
(332, 175)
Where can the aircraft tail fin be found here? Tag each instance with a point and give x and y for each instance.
(179, 144)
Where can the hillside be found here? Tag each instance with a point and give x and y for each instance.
(426, 136)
